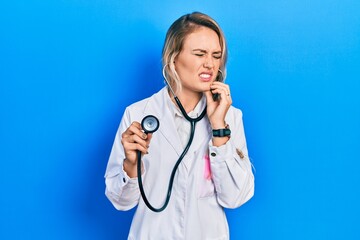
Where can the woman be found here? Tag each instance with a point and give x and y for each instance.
(215, 172)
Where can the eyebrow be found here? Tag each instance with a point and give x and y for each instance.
(204, 51)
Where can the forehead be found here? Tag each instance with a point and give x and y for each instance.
(202, 38)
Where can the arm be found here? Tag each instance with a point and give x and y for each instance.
(231, 167)
(121, 190)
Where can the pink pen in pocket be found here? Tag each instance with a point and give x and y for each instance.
(207, 170)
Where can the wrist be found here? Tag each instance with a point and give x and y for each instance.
(222, 132)
(129, 163)
(218, 125)
(130, 168)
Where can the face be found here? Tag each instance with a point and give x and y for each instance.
(199, 60)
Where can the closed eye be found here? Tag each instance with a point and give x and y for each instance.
(217, 55)
(201, 53)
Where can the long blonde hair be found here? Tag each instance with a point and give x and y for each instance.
(175, 38)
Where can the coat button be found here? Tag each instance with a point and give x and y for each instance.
(213, 154)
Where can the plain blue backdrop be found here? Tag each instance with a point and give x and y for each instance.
(69, 68)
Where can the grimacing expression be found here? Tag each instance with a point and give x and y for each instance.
(199, 60)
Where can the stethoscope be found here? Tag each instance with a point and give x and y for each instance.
(150, 124)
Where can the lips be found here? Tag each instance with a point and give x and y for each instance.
(205, 76)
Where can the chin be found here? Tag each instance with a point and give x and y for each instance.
(204, 88)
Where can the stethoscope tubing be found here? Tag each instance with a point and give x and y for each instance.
(193, 122)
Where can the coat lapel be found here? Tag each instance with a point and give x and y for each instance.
(157, 106)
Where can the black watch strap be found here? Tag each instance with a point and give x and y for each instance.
(225, 132)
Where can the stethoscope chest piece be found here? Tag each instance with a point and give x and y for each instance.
(150, 124)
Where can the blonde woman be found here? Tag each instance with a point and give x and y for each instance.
(213, 173)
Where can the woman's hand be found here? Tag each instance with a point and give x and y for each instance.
(133, 140)
(216, 110)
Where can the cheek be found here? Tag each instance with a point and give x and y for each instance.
(186, 67)
(218, 63)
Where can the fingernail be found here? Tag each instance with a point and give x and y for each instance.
(144, 136)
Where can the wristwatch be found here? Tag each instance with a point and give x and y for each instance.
(224, 132)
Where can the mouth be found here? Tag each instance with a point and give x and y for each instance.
(205, 76)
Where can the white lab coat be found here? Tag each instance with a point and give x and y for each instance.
(195, 210)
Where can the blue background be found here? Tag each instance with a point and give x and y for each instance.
(69, 68)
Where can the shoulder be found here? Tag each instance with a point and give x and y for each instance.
(234, 112)
(144, 102)
(140, 107)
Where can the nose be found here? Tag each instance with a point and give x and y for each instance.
(208, 62)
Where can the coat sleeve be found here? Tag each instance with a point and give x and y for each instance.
(121, 190)
(231, 168)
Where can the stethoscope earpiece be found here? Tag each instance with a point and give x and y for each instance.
(150, 124)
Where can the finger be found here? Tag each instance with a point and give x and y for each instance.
(209, 98)
(219, 83)
(215, 85)
(218, 86)
(136, 139)
(134, 128)
(128, 146)
(224, 91)
(133, 139)
(148, 139)
(130, 129)
(225, 99)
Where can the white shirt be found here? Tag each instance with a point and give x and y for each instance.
(182, 125)
(204, 183)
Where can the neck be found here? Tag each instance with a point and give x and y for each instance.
(188, 100)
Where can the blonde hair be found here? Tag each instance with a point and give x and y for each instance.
(175, 38)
